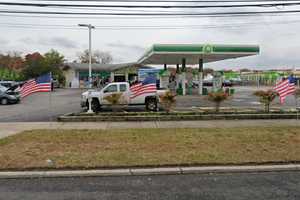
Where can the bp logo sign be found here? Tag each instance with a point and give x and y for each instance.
(208, 48)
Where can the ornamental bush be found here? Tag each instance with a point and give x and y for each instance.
(217, 98)
(266, 97)
(168, 101)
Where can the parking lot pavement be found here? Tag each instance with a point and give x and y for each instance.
(42, 106)
(45, 107)
(243, 97)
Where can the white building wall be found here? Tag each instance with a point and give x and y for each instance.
(72, 78)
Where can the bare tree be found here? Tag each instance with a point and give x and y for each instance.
(84, 57)
(101, 57)
(207, 71)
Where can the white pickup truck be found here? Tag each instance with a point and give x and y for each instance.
(150, 100)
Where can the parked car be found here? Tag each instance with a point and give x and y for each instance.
(150, 100)
(8, 84)
(9, 95)
(227, 83)
(208, 83)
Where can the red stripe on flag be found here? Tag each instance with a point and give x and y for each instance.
(140, 89)
(284, 88)
(32, 87)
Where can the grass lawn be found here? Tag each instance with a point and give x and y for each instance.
(148, 147)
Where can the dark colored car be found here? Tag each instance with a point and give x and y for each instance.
(9, 95)
(227, 83)
(210, 84)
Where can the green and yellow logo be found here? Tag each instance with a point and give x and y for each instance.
(208, 48)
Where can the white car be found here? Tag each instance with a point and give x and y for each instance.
(150, 100)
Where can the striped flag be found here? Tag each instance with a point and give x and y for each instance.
(285, 88)
(40, 84)
(145, 87)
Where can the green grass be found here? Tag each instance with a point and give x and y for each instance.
(148, 147)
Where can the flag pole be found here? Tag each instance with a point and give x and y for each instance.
(50, 99)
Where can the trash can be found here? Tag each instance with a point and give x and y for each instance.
(204, 91)
(231, 91)
(190, 90)
(179, 91)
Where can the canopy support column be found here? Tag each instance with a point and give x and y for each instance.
(112, 77)
(165, 67)
(200, 84)
(183, 76)
(177, 68)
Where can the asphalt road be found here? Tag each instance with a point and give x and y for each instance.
(242, 186)
(45, 107)
(42, 106)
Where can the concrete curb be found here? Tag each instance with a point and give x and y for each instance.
(185, 117)
(149, 171)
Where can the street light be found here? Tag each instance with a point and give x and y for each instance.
(90, 27)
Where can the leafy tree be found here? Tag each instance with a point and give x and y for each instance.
(217, 98)
(100, 57)
(12, 60)
(266, 97)
(37, 64)
(8, 74)
(54, 58)
(55, 61)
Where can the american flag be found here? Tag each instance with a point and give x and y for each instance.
(40, 84)
(144, 87)
(285, 88)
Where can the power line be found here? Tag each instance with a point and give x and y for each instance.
(62, 26)
(151, 6)
(169, 1)
(149, 14)
(147, 17)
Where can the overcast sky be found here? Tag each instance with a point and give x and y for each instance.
(278, 36)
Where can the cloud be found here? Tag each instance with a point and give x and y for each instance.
(58, 41)
(3, 42)
(27, 40)
(126, 47)
(52, 42)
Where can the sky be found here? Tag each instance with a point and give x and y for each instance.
(277, 35)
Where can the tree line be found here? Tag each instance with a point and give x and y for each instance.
(14, 66)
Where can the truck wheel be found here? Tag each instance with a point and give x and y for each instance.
(4, 101)
(95, 105)
(151, 104)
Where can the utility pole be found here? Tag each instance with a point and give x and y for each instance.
(90, 27)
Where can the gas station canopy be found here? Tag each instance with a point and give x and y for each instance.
(192, 53)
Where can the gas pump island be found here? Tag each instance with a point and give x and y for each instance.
(193, 54)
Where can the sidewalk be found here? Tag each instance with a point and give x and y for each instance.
(11, 128)
(149, 171)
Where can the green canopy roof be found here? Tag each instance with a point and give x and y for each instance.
(174, 53)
